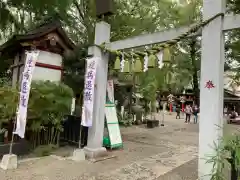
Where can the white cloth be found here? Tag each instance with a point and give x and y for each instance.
(90, 76)
(25, 91)
(145, 67)
(160, 59)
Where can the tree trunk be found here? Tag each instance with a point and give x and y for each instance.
(194, 70)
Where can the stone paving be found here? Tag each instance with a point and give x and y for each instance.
(163, 153)
(187, 171)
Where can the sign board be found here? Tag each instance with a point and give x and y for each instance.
(110, 90)
(113, 126)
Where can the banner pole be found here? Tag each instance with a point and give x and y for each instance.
(12, 139)
(80, 136)
(28, 68)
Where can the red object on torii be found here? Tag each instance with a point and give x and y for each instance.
(209, 85)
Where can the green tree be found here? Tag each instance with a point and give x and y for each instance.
(131, 18)
(190, 48)
(232, 48)
(184, 67)
(18, 16)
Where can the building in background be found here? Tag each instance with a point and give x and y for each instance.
(52, 42)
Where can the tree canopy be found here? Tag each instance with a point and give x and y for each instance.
(131, 18)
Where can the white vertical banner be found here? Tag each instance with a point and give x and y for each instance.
(160, 59)
(30, 63)
(110, 90)
(122, 63)
(145, 67)
(73, 105)
(90, 76)
(122, 111)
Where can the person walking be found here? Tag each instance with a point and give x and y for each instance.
(225, 111)
(178, 112)
(188, 112)
(195, 113)
(174, 108)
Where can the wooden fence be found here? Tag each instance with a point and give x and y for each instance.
(69, 136)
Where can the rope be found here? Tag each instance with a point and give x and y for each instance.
(167, 44)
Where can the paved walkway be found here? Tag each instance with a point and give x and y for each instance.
(187, 171)
(149, 154)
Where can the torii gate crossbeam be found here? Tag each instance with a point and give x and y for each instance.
(212, 69)
(230, 22)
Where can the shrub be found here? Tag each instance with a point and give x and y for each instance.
(48, 103)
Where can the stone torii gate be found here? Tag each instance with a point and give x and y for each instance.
(212, 69)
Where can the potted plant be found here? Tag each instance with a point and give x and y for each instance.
(149, 89)
(138, 111)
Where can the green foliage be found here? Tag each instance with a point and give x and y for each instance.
(228, 151)
(8, 104)
(126, 120)
(74, 65)
(149, 85)
(6, 16)
(79, 20)
(16, 16)
(48, 103)
(142, 16)
(233, 6)
(232, 44)
(131, 18)
(219, 161)
(5, 81)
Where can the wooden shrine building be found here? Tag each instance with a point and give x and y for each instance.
(52, 42)
(231, 100)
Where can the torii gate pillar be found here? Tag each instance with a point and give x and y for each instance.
(211, 99)
(95, 133)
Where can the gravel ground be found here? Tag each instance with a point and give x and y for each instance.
(164, 153)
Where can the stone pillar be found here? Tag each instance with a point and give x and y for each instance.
(211, 99)
(95, 133)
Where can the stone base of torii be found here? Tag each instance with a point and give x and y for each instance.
(212, 69)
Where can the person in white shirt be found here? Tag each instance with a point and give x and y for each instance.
(188, 111)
